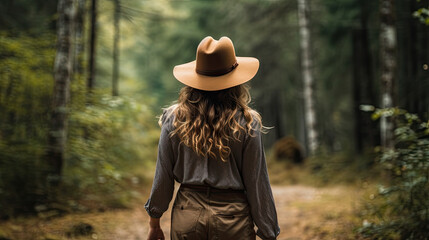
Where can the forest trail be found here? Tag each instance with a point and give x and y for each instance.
(304, 212)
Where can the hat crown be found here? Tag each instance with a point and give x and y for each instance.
(215, 57)
(216, 67)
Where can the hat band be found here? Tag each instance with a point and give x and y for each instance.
(217, 72)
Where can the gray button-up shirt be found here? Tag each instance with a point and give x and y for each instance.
(245, 169)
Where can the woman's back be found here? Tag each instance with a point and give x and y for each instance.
(191, 168)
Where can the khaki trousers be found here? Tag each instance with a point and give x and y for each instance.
(199, 214)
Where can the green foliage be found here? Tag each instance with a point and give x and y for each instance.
(107, 140)
(401, 209)
(25, 89)
(422, 14)
(33, 17)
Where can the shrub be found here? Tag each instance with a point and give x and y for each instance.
(400, 210)
(108, 140)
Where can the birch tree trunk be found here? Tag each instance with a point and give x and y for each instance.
(115, 74)
(62, 75)
(388, 67)
(306, 65)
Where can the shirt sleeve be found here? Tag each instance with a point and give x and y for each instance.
(258, 189)
(163, 182)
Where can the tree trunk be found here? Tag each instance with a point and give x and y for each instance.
(413, 54)
(411, 78)
(425, 78)
(388, 67)
(93, 35)
(115, 75)
(357, 98)
(367, 88)
(62, 76)
(80, 16)
(423, 61)
(306, 65)
(363, 89)
(301, 133)
(277, 104)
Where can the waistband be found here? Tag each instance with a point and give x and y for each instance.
(206, 188)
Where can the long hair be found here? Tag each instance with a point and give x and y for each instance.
(205, 120)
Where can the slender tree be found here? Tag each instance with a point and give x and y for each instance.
(92, 46)
(368, 91)
(79, 46)
(357, 99)
(388, 67)
(363, 79)
(62, 75)
(115, 74)
(307, 76)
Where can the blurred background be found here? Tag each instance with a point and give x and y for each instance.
(343, 83)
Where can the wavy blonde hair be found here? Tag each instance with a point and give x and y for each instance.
(205, 120)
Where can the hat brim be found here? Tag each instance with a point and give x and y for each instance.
(246, 70)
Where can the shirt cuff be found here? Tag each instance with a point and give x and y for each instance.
(152, 212)
(259, 233)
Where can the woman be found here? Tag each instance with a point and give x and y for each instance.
(211, 143)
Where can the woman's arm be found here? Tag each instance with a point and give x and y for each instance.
(163, 183)
(258, 189)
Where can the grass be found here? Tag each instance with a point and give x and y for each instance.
(323, 170)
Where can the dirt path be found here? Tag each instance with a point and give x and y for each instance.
(303, 212)
(316, 213)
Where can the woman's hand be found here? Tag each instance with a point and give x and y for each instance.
(155, 231)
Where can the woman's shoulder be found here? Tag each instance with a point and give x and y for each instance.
(255, 117)
(167, 116)
(253, 121)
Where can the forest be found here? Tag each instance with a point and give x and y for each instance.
(342, 84)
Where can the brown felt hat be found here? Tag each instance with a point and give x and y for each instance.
(216, 67)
